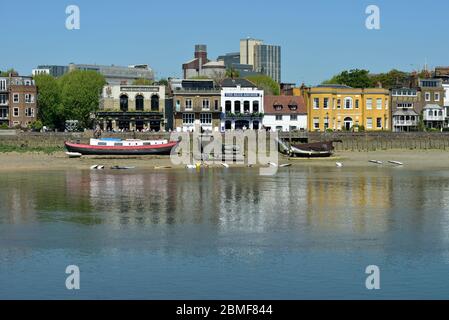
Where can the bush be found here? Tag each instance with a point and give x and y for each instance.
(36, 125)
(329, 130)
(4, 126)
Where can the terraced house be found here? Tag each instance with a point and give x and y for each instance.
(196, 105)
(18, 106)
(339, 107)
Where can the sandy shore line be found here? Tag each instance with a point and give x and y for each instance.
(412, 159)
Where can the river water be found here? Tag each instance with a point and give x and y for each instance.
(304, 233)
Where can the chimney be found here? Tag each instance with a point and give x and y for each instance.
(201, 54)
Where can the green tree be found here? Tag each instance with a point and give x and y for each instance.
(355, 78)
(232, 73)
(80, 93)
(265, 83)
(6, 73)
(163, 82)
(142, 82)
(51, 110)
(393, 78)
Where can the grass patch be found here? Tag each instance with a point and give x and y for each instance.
(26, 149)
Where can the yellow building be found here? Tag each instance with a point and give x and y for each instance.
(339, 107)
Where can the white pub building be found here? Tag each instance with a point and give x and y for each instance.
(241, 105)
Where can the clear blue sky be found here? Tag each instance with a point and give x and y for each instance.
(318, 37)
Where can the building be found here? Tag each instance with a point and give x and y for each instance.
(443, 74)
(114, 75)
(267, 61)
(339, 107)
(406, 109)
(4, 101)
(242, 104)
(432, 102)
(232, 61)
(201, 66)
(132, 108)
(285, 113)
(53, 70)
(247, 50)
(196, 105)
(18, 107)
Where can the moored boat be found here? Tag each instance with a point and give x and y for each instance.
(122, 147)
(308, 150)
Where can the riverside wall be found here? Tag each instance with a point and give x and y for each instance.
(362, 141)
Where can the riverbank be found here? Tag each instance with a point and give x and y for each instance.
(412, 159)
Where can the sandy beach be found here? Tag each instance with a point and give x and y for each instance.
(412, 159)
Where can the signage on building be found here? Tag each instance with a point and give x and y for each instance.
(242, 95)
(140, 89)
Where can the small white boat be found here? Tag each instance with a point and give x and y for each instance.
(94, 167)
(376, 161)
(272, 164)
(285, 165)
(74, 154)
(396, 163)
(225, 165)
(339, 164)
(191, 166)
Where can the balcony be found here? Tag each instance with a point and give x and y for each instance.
(405, 122)
(243, 116)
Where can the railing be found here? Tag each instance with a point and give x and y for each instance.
(433, 118)
(405, 122)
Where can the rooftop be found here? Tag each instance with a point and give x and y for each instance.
(284, 105)
(239, 82)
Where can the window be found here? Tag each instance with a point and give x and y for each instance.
(246, 105)
(326, 123)
(427, 96)
(216, 105)
(29, 98)
(316, 123)
(4, 113)
(29, 112)
(386, 104)
(405, 105)
(15, 98)
(293, 117)
(369, 104)
(293, 107)
(437, 96)
(206, 104)
(357, 103)
(379, 123)
(348, 103)
(228, 106)
(188, 118)
(124, 103)
(178, 105)
(15, 112)
(379, 104)
(326, 103)
(278, 107)
(278, 117)
(339, 104)
(188, 104)
(154, 103)
(279, 128)
(316, 103)
(139, 103)
(3, 98)
(3, 85)
(369, 123)
(255, 106)
(206, 118)
(237, 107)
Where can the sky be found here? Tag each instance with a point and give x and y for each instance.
(319, 38)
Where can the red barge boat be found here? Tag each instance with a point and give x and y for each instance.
(118, 147)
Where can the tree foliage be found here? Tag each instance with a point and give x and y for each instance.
(232, 73)
(80, 92)
(363, 79)
(265, 83)
(6, 73)
(74, 96)
(142, 82)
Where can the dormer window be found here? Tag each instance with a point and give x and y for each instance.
(278, 107)
(293, 107)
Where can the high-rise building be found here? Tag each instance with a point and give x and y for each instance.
(247, 50)
(267, 60)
